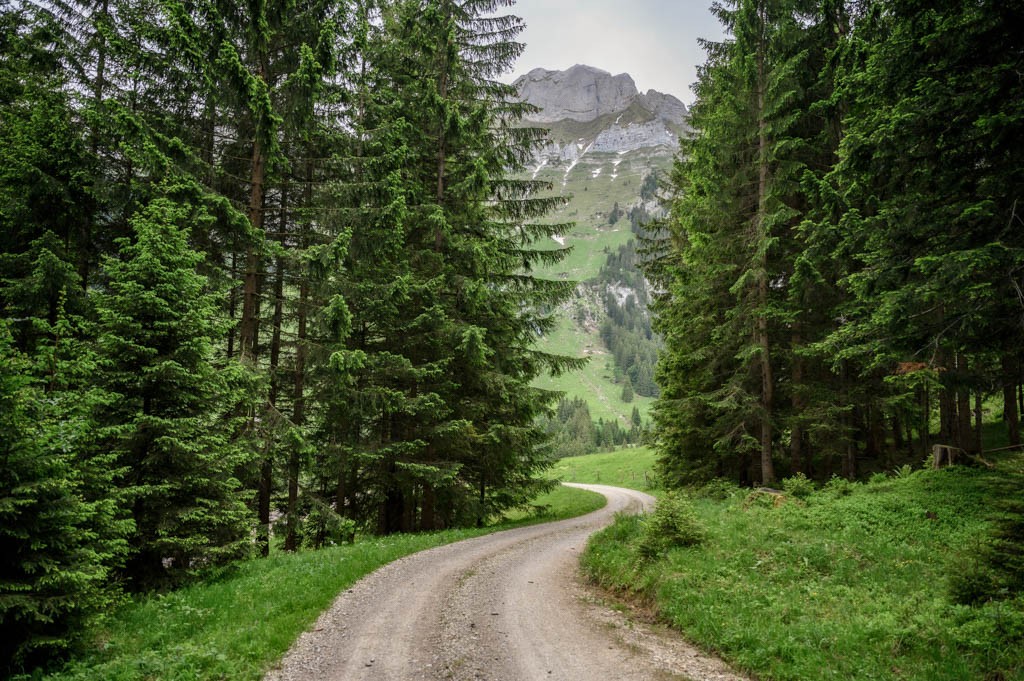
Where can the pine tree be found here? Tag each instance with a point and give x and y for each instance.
(171, 424)
(933, 251)
(731, 258)
(61, 528)
(432, 397)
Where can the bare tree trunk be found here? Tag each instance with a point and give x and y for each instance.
(99, 86)
(1010, 412)
(850, 450)
(761, 243)
(249, 329)
(796, 445)
(926, 421)
(897, 432)
(441, 160)
(267, 468)
(299, 386)
(428, 514)
(964, 439)
(977, 444)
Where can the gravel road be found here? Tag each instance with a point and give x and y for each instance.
(503, 607)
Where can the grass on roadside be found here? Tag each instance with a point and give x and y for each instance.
(236, 627)
(632, 467)
(851, 583)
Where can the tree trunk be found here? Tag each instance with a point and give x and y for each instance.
(926, 421)
(796, 448)
(441, 160)
(483, 501)
(1010, 413)
(977, 443)
(761, 244)
(850, 449)
(290, 541)
(341, 489)
(428, 515)
(99, 86)
(947, 415)
(897, 432)
(964, 439)
(299, 374)
(250, 290)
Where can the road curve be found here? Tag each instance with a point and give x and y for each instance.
(503, 607)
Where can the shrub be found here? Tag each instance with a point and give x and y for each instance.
(972, 584)
(904, 471)
(718, 489)
(322, 526)
(673, 524)
(839, 487)
(798, 486)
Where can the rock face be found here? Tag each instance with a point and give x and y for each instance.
(591, 111)
(581, 93)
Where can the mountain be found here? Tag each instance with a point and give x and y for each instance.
(608, 144)
(587, 110)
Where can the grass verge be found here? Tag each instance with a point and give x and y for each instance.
(632, 467)
(853, 582)
(237, 626)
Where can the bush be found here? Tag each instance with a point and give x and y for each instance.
(904, 471)
(718, 489)
(798, 486)
(324, 527)
(673, 524)
(973, 584)
(839, 487)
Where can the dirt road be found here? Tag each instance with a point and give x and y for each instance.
(503, 607)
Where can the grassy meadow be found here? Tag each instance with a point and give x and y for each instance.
(594, 382)
(632, 467)
(849, 581)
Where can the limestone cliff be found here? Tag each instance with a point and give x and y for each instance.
(588, 110)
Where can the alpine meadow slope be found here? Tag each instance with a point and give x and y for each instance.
(608, 145)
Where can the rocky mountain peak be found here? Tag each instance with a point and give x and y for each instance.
(587, 109)
(581, 93)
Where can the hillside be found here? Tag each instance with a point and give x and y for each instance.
(885, 579)
(607, 144)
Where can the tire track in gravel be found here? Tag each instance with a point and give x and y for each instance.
(502, 607)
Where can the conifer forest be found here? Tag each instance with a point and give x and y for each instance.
(263, 262)
(267, 273)
(842, 274)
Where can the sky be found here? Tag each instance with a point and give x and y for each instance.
(654, 41)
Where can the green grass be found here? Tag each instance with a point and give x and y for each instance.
(592, 239)
(632, 467)
(237, 626)
(594, 382)
(852, 584)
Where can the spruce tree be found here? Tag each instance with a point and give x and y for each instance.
(432, 398)
(62, 530)
(171, 423)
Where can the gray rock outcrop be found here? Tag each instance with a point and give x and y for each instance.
(627, 120)
(581, 93)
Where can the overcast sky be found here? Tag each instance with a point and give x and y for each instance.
(655, 41)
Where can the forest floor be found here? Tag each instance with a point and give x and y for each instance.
(505, 606)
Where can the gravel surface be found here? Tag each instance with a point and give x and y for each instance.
(503, 607)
